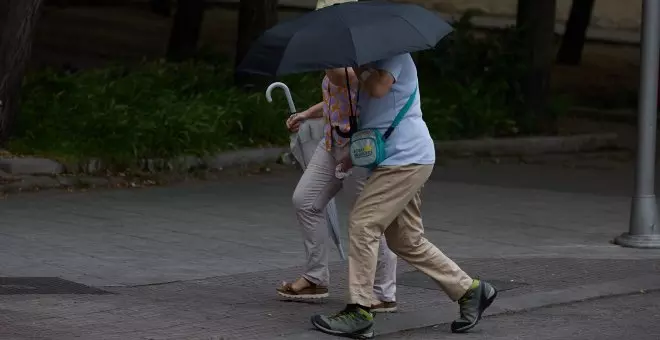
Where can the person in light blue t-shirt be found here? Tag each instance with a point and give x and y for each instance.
(410, 142)
(390, 204)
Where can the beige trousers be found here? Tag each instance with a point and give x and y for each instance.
(390, 204)
(316, 187)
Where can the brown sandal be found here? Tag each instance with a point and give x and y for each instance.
(312, 292)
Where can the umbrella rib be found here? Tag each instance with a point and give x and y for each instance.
(416, 29)
(350, 35)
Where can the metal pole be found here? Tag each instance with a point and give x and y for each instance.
(644, 232)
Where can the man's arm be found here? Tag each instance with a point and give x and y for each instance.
(380, 77)
(378, 83)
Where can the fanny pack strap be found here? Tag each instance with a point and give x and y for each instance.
(399, 116)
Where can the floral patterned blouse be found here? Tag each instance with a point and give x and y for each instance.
(336, 111)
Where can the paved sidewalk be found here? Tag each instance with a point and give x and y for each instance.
(201, 260)
(616, 318)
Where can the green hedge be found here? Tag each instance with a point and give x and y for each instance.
(153, 110)
(470, 88)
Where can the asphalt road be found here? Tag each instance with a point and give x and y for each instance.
(615, 318)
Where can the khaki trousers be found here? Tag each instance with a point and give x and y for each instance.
(390, 204)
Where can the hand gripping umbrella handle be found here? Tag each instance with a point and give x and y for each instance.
(292, 109)
(287, 93)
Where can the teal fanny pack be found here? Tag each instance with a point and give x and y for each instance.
(367, 146)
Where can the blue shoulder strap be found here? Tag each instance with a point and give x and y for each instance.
(399, 116)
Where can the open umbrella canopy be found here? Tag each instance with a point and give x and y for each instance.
(344, 35)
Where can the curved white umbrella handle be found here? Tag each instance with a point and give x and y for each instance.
(287, 93)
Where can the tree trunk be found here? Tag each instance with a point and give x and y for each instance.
(18, 19)
(186, 27)
(254, 17)
(570, 51)
(522, 16)
(539, 36)
(161, 7)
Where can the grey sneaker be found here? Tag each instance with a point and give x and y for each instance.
(473, 304)
(353, 322)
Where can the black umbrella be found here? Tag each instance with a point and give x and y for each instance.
(348, 34)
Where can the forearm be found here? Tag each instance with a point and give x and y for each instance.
(315, 111)
(370, 83)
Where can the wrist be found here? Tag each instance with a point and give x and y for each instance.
(304, 114)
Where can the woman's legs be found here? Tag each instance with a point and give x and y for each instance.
(316, 187)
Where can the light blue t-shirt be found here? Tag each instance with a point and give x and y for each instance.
(410, 142)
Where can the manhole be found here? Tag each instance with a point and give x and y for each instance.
(421, 280)
(44, 285)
